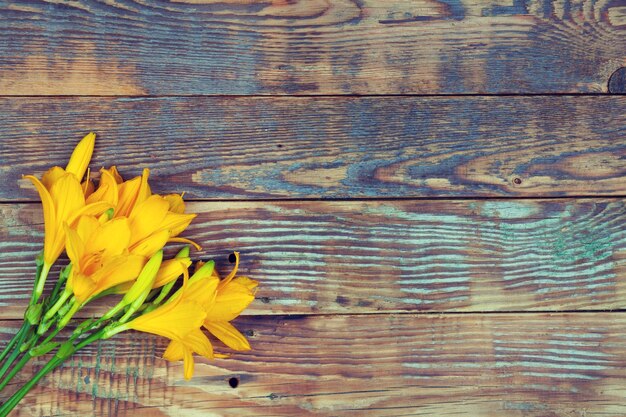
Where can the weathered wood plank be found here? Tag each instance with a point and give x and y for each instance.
(347, 257)
(385, 365)
(251, 148)
(309, 47)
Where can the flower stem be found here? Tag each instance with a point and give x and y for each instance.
(13, 341)
(17, 397)
(16, 352)
(53, 310)
(40, 281)
(61, 355)
(18, 367)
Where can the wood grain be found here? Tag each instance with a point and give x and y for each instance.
(260, 148)
(530, 365)
(309, 47)
(364, 257)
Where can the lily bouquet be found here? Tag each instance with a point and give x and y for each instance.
(114, 236)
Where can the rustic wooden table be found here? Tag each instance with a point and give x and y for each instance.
(431, 194)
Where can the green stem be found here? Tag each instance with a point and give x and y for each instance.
(17, 397)
(40, 281)
(13, 341)
(38, 272)
(68, 316)
(18, 367)
(16, 352)
(52, 364)
(53, 310)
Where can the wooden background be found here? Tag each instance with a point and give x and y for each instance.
(431, 194)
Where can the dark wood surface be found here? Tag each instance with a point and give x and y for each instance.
(309, 47)
(438, 230)
(340, 147)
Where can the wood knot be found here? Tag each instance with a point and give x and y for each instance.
(617, 82)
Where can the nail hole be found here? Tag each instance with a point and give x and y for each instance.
(265, 300)
(617, 82)
(279, 145)
(517, 181)
(233, 382)
(249, 333)
(232, 258)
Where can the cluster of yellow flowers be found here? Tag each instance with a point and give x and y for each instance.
(114, 235)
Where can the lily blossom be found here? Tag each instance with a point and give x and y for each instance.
(100, 256)
(63, 202)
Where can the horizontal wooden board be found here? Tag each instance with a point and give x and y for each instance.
(268, 148)
(347, 257)
(530, 365)
(309, 47)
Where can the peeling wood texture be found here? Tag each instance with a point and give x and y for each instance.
(251, 148)
(325, 257)
(309, 47)
(528, 365)
(431, 200)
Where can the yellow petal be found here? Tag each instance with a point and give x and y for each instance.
(188, 363)
(228, 334)
(230, 302)
(67, 195)
(151, 244)
(92, 209)
(144, 189)
(177, 205)
(74, 247)
(82, 285)
(127, 196)
(51, 176)
(116, 271)
(88, 187)
(147, 217)
(49, 219)
(81, 156)
(199, 343)
(113, 171)
(172, 320)
(107, 190)
(176, 223)
(171, 270)
(112, 238)
(202, 291)
(86, 227)
(174, 351)
(250, 284)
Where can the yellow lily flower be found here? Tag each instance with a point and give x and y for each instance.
(233, 295)
(221, 301)
(194, 342)
(63, 201)
(170, 270)
(100, 257)
(155, 219)
(153, 224)
(179, 320)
